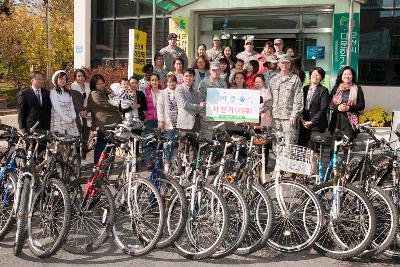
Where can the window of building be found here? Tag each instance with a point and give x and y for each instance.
(111, 21)
(379, 53)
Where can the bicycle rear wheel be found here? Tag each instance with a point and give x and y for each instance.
(22, 217)
(297, 228)
(207, 223)
(91, 219)
(139, 217)
(7, 193)
(49, 218)
(353, 230)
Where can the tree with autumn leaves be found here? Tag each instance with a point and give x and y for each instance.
(23, 38)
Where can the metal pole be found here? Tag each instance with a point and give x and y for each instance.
(153, 33)
(350, 33)
(46, 2)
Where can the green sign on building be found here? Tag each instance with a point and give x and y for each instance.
(340, 32)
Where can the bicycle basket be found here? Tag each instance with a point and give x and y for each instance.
(260, 141)
(294, 159)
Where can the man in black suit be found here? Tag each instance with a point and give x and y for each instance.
(316, 101)
(34, 105)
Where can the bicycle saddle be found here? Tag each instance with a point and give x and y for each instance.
(321, 138)
(237, 138)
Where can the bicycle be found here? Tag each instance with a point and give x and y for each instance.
(140, 213)
(207, 222)
(349, 218)
(297, 213)
(92, 205)
(239, 215)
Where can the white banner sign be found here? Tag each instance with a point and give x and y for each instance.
(235, 105)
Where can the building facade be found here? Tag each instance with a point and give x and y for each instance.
(101, 33)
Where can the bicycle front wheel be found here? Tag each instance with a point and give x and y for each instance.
(7, 193)
(22, 216)
(139, 217)
(91, 218)
(297, 226)
(348, 233)
(175, 219)
(260, 218)
(239, 218)
(207, 224)
(49, 218)
(386, 221)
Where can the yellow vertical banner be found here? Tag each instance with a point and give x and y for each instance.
(137, 52)
(179, 26)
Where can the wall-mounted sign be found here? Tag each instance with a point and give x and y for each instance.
(179, 26)
(79, 49)
(137, 52)
(340, 32)
(315, 52)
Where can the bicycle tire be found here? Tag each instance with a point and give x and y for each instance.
(239, 217)
(22, 217)
(144, 190)
(186, 241)
(386, 214)
(393, 251)
(55, 220)
(299, 228)
(332, 246)
(102, 204)
(173, 192)
(258, 203)
(7, 193)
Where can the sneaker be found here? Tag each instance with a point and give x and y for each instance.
(84, 163)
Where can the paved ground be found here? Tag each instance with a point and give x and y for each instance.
(109, 255)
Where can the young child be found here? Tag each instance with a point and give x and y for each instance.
(127, 99)
(238, 68)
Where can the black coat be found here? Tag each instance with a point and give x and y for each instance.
(339, 120)
(30, 111)
(317, 112)
(141, 100)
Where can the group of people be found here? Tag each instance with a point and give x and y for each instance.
(172, 97)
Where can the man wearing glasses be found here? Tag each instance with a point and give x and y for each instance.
(248, 53)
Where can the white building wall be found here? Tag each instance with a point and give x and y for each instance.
(387, 97)
(82, 22)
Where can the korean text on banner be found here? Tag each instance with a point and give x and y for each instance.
(137, 52)
(234, 105)
(179, 26)
(340, 32)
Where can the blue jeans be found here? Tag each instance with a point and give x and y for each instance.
(170, 151)
(148, 150)
(99, 147)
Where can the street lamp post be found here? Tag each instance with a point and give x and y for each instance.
(46, 5)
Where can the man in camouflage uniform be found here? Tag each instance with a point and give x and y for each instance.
(171, 52)
(215, 53)
(287, 101)
(248, 53)
(213, 81)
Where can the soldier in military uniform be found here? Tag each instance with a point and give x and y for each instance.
(287, 101)
(215, 53)
(171, 52)
(213, 81)
(248, 53)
